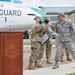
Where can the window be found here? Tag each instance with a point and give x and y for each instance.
(53, 18)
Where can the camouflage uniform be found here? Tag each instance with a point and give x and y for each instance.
(36, 37)
(41, 51)
(65, 36)
(48, 45)
(48, 49)
(67, 53)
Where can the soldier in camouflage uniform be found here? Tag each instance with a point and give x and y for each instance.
(65, 36)
(36, 38)
(48, 44)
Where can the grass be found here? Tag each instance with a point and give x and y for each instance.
(28, 43)
(71, 74)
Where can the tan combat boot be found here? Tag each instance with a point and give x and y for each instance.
(38, 64)
(68, 58)
(62, 60)
(48, 61)
(31, 67)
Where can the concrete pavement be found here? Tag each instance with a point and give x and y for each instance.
(62, 70)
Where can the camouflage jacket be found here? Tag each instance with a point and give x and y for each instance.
(65, 30)
(48, 29)
(37, 32)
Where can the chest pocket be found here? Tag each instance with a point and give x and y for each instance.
(66, 27)
(63, 27)
(59, 28)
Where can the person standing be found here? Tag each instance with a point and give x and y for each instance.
(65, 37)
(36, 38)
(47, 45)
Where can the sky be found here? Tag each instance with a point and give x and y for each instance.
(48, 3)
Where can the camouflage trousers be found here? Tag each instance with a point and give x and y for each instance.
(35, 46)
(41, 51)
(70, 47)
(48, 47)
(67, 53)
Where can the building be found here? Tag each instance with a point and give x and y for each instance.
(52, 13)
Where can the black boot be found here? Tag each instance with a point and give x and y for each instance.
(56, 65)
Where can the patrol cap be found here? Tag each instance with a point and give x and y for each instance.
(61, 14)
(37, 17)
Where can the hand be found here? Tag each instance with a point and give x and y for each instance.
(51, 32)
